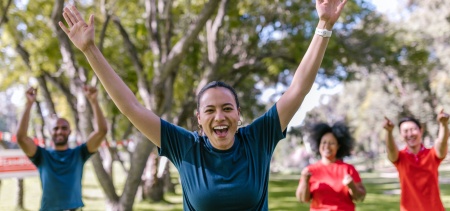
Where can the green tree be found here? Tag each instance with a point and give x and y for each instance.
(167, 50)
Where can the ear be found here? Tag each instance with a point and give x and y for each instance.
(198, 117)
(239, 111)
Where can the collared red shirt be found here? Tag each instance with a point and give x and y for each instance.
(419, 183)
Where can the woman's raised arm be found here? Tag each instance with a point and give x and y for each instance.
(82, 36)
(305, 75)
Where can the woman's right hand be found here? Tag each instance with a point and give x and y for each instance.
(306, 174)
(79, 32)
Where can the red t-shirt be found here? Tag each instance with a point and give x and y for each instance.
(327, 191)
(419, 180)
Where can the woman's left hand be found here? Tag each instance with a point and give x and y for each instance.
(347, 179)
(329, 11)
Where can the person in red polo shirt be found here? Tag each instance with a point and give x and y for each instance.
(418, 166)
(331, 184)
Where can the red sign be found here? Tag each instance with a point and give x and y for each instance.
(14, 163)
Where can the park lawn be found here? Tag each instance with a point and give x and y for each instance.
(382, 193)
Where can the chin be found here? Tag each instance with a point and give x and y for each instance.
(414, 144)
(327, 156)
(60, 143)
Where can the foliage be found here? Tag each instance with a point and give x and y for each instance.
(405, 73)
(256, 45)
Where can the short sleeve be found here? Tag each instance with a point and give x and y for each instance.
(436, 158)
(175, 142)
(37, 157)
(85, 154)
(401, 156)
(354, 173)
(266, 130)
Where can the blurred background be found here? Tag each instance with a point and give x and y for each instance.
(384, 59)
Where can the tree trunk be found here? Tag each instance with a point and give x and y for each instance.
(19, 194)
(115, 206)
(153, 189)
(138, 160)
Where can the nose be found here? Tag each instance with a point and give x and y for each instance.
(58, 130)
(219, 116)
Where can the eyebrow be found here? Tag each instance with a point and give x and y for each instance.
(61, 127)
(225, 104)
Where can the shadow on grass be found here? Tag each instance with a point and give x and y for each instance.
(282, 194)
(382, 194)
(94, 198)
(171, 202)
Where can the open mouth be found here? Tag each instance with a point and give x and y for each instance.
(221, 131)
(411, 139)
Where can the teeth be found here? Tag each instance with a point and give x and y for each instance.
(220, 127)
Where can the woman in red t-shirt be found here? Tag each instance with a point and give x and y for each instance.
(331, 184)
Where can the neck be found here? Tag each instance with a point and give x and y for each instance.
(415, 149)
(61, 148)
(327, 161)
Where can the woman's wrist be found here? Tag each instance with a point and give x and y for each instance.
(325, 25)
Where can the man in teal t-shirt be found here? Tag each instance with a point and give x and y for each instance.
(61, 168)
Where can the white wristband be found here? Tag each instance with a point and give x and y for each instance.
(323, 32)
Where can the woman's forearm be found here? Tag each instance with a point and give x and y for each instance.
(357, 191)
(303, 194)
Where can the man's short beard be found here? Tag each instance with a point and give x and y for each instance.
(61, 143)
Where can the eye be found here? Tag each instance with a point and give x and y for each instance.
(228, 109)
(209, 110)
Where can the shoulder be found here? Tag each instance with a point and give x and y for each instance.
(349, 167)
(39, 151)
(430, 150)
(272, 113)
(168, 128)
(83, 148)
(317, 166)
(403, 152)
(340, 164)
(433, 152)
(44, 150)
(343, 163)
(83, 145)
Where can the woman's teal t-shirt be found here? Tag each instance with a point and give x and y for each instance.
(233, 179)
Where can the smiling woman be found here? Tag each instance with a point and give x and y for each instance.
(221, 167)
(218, 114)
(331, 184)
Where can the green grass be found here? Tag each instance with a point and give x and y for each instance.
(381, 193)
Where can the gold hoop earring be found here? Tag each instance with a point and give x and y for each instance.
(239, 123)
(200, 129)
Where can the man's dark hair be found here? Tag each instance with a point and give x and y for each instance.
(410, 119)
